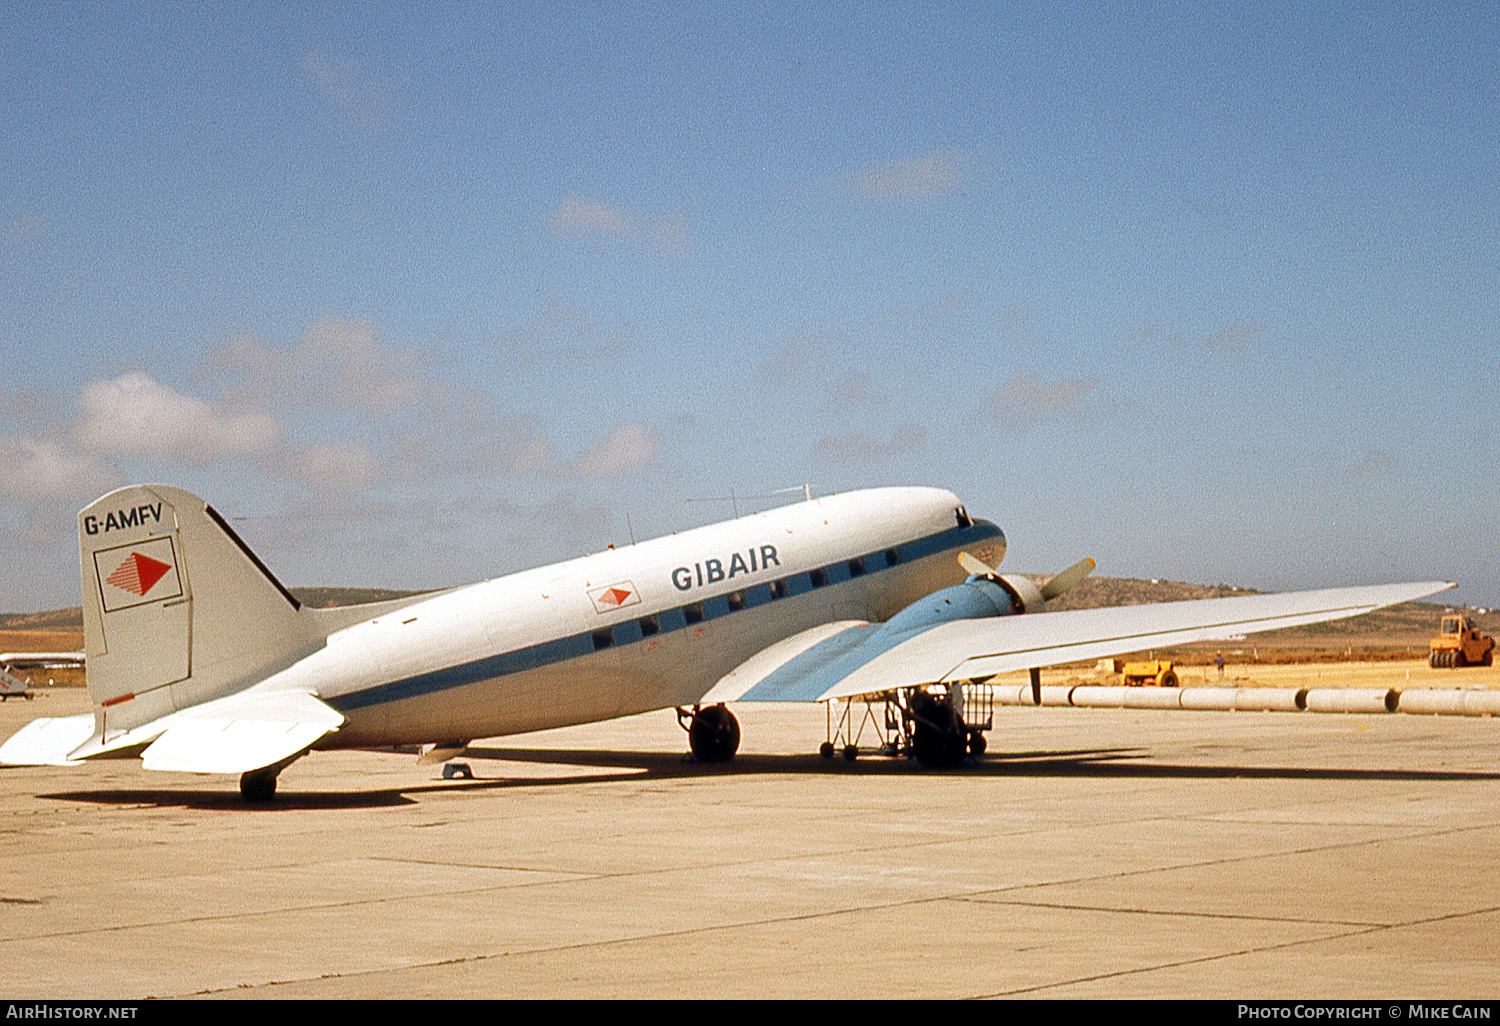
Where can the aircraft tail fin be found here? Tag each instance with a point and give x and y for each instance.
(176, 608)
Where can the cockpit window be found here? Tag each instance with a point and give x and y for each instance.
(962, 515)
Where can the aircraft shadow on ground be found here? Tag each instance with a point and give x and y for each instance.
(1087, 762)
(596, 766)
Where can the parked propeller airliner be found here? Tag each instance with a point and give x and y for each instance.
(199, 660)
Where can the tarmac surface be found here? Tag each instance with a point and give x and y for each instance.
(1092, 854)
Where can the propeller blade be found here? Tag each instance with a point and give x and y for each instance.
(975, 566)
(1069, 577)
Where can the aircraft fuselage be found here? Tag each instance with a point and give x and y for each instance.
(643, 627)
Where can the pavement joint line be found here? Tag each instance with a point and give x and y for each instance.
(579, 877)
(1143, 870)
(1139, 970)
(1066, 907)
(1201, 960)
(832, 913)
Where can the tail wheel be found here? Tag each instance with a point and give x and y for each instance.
(259, 785)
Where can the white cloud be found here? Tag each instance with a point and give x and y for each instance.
(1026, 400)
(33, 469)
(134, 414)
(1231, 339)
(566, 329)
(628, 446)
(337, 467)
(599, 223)
(859, 447)
(931, 174)
(591, 220)
(359, 97)
(335, 362)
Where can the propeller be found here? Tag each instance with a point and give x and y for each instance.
(976, 567)
(1069, 577)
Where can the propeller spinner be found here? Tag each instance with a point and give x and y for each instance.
(977, 567)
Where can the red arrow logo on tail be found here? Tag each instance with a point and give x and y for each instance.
(138, 574)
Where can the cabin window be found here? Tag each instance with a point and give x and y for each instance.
(603, 638)
(778, 589)
(892, 557)
(693, 613)
(962, 516)
(650, 625)
(736, 601)
(818, 577)
(857, 566)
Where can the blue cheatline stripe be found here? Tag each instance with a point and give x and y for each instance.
(574, 646)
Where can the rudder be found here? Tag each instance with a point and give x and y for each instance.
(176, 608)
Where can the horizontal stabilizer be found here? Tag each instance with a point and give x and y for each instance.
(47, 741)
(240, 733)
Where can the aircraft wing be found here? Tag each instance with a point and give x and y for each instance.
(868, 660)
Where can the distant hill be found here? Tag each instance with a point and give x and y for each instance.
(1394, 631)
(1398, 630)
(316, 598)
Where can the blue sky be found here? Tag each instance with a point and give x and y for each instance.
(422, 294)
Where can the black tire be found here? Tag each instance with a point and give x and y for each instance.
(258, 785)
(937, 739)
(714, 735)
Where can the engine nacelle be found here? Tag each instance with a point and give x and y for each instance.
(979, 596)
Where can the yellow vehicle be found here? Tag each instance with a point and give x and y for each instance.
(1460, 644)
(1157, 672)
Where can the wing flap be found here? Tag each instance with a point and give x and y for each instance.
(240, 733)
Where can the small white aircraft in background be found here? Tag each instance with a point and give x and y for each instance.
(199, 660)
(13, 680)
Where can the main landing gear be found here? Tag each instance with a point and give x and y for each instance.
(713, 732)
(938, 726)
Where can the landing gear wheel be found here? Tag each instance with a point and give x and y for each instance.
(851, 752)
(938, 740)
(977, 744)
(461, 770)
(259, 785)
(826, 749)
(714, 734)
